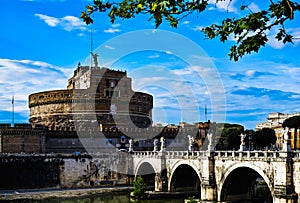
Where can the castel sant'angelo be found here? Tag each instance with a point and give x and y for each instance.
(101, 94)
(97, 110)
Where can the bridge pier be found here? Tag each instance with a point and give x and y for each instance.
(284, 191)
(158, 183)
(161, 183)
(208, 192)
(284, 200)
(208, 184)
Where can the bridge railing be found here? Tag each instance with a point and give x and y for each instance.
(249, 154)
(190, 154)
(216, 154)
(145, 153)
(171, 154)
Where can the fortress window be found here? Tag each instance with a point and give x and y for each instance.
(112, 84)
(123, 140)
(41, 97)
(106, 93)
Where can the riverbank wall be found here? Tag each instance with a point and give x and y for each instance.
(30, 171)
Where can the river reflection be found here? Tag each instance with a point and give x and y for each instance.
(113, 198)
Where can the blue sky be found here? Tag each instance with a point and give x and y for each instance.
(42, 42)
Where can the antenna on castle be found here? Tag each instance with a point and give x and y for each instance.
(205, 112)
(92, 46)
(13, 111)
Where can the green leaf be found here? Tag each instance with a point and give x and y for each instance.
(243, 7)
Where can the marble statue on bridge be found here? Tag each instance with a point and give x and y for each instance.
(242, 145)
(210, 146)
(285, 139)
(130, 149)
(162, 144)
(191, 141)
(155, 142)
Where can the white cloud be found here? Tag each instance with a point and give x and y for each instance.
(225, 5)
(154, 56)
(109, 47)
(71, 22)
(253, 7)
(274, 43)
(197, 28)
(24, 77)
(112, 30)
(51, 21)
(67, 23)
(250, 73)
(186, 22)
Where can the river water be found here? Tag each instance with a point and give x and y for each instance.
(113, 198)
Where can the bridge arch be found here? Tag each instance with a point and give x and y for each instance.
(156, 167)
(250, 171)
(147, 170)
(185, 166)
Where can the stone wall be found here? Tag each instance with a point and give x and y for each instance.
(23, 138)
(21, 171)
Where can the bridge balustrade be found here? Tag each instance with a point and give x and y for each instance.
(248, 154)
(145, 153)
(185, 154)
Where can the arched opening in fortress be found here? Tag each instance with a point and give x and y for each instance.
(185, 179)
(147, 172)
(245, 184)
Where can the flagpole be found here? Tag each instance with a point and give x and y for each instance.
(13, 111)
(205, 112)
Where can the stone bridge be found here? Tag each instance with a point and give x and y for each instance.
(223, 175)
(216, 175)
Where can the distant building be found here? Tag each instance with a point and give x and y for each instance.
(275, 121)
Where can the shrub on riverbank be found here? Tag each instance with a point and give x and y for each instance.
(139, 187)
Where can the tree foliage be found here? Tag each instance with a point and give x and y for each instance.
(250, 31)
(231, 133)
(139, 187)
(249, 136)
(292, 122)
(264, 137)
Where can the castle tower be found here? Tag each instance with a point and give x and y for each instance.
(95, 90)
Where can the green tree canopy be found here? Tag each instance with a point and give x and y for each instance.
(250, 31)
(230, 133)
(264, 137)
(139, 187)
(292, 122)
(249, 136)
